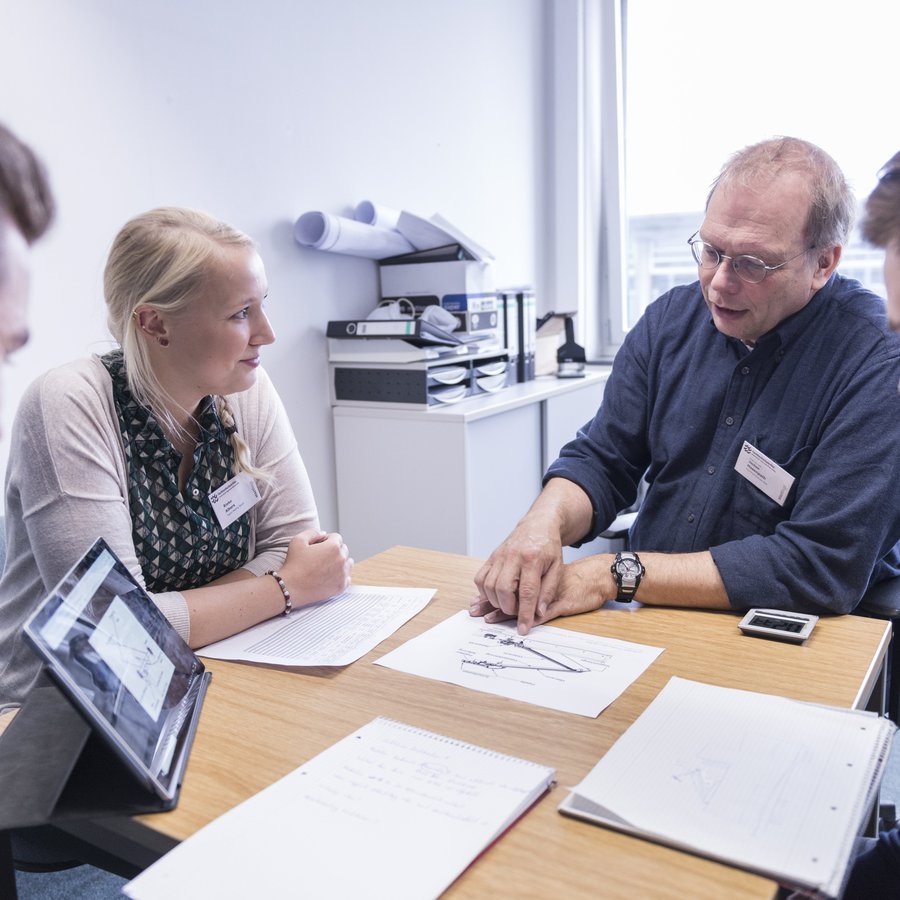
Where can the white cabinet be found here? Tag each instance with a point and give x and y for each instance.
(454, 478)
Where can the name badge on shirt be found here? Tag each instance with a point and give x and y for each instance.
(234, 498)
(768, 476)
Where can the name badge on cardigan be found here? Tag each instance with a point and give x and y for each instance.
(234, 498)
(759, 470)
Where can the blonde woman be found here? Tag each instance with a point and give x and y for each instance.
(137, 444)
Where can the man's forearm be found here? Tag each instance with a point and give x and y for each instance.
(670, 579)
(565, 504)
(682, 579)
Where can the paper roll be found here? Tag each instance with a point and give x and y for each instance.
(337, 234)
(375, 214)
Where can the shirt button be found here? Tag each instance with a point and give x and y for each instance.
(729, 421)
(745, 370)
(690, 517)
(195, 492)
(711, 470)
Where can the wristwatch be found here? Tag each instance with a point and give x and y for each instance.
(628, 571)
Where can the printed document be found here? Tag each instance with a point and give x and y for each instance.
(389, 811)
(333, 632)
(552, 667)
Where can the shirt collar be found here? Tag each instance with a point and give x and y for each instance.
(790, 329)
(141, 423)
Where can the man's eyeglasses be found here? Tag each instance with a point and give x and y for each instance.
(748, 268)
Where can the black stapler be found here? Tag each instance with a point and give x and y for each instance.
(570, 356)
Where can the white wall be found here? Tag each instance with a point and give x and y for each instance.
(261, 111)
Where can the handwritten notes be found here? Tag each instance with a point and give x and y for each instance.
(390, 810)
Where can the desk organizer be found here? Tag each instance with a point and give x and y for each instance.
(420, 384)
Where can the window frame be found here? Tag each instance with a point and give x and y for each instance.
(587, 259)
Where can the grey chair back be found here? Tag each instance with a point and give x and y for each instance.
(883, 602)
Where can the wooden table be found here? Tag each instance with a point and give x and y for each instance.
(259, 723)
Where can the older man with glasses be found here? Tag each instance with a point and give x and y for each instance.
(760, 406)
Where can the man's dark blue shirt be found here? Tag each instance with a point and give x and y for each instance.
(817, 395)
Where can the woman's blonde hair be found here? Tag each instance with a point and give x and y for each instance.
(161, 259)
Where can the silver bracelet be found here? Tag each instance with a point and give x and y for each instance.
(287, 594)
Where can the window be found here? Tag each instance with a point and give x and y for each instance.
(706, 78)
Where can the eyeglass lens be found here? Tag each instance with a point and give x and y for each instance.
(747, 268)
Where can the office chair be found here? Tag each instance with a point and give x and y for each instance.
(620, 527)
(883, 602)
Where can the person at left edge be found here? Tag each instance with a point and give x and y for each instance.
(27, 208)
(132, 445)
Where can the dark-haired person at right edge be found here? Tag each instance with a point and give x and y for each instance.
(876, 871)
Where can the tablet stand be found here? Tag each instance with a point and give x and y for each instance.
(53, 766)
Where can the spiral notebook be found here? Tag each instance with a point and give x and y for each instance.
(771, 785)
(388, 811)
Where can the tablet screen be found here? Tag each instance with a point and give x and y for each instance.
(122, 663)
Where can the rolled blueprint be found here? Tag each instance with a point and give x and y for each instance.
(340, 235)
(375, 214)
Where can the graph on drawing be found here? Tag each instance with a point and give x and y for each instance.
(501, 654)
(553, 667)
(704, 781)
(136, 659)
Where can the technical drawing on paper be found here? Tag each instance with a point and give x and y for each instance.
(552, 667)
(704, 776)
(707, 777)
(136, 659)
(502, 654)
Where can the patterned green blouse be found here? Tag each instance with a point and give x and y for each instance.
(177, 537)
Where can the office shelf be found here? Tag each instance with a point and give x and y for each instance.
(453, 477)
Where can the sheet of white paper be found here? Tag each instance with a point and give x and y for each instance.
(323, 231)
(553, 667)
(474, 248)
(389, 811)
(335, 632)
(759, 779)
(426, 234)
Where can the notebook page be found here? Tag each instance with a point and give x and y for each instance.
(390, 810)
(772, 784)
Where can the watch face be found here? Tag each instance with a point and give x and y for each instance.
(628, 571)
